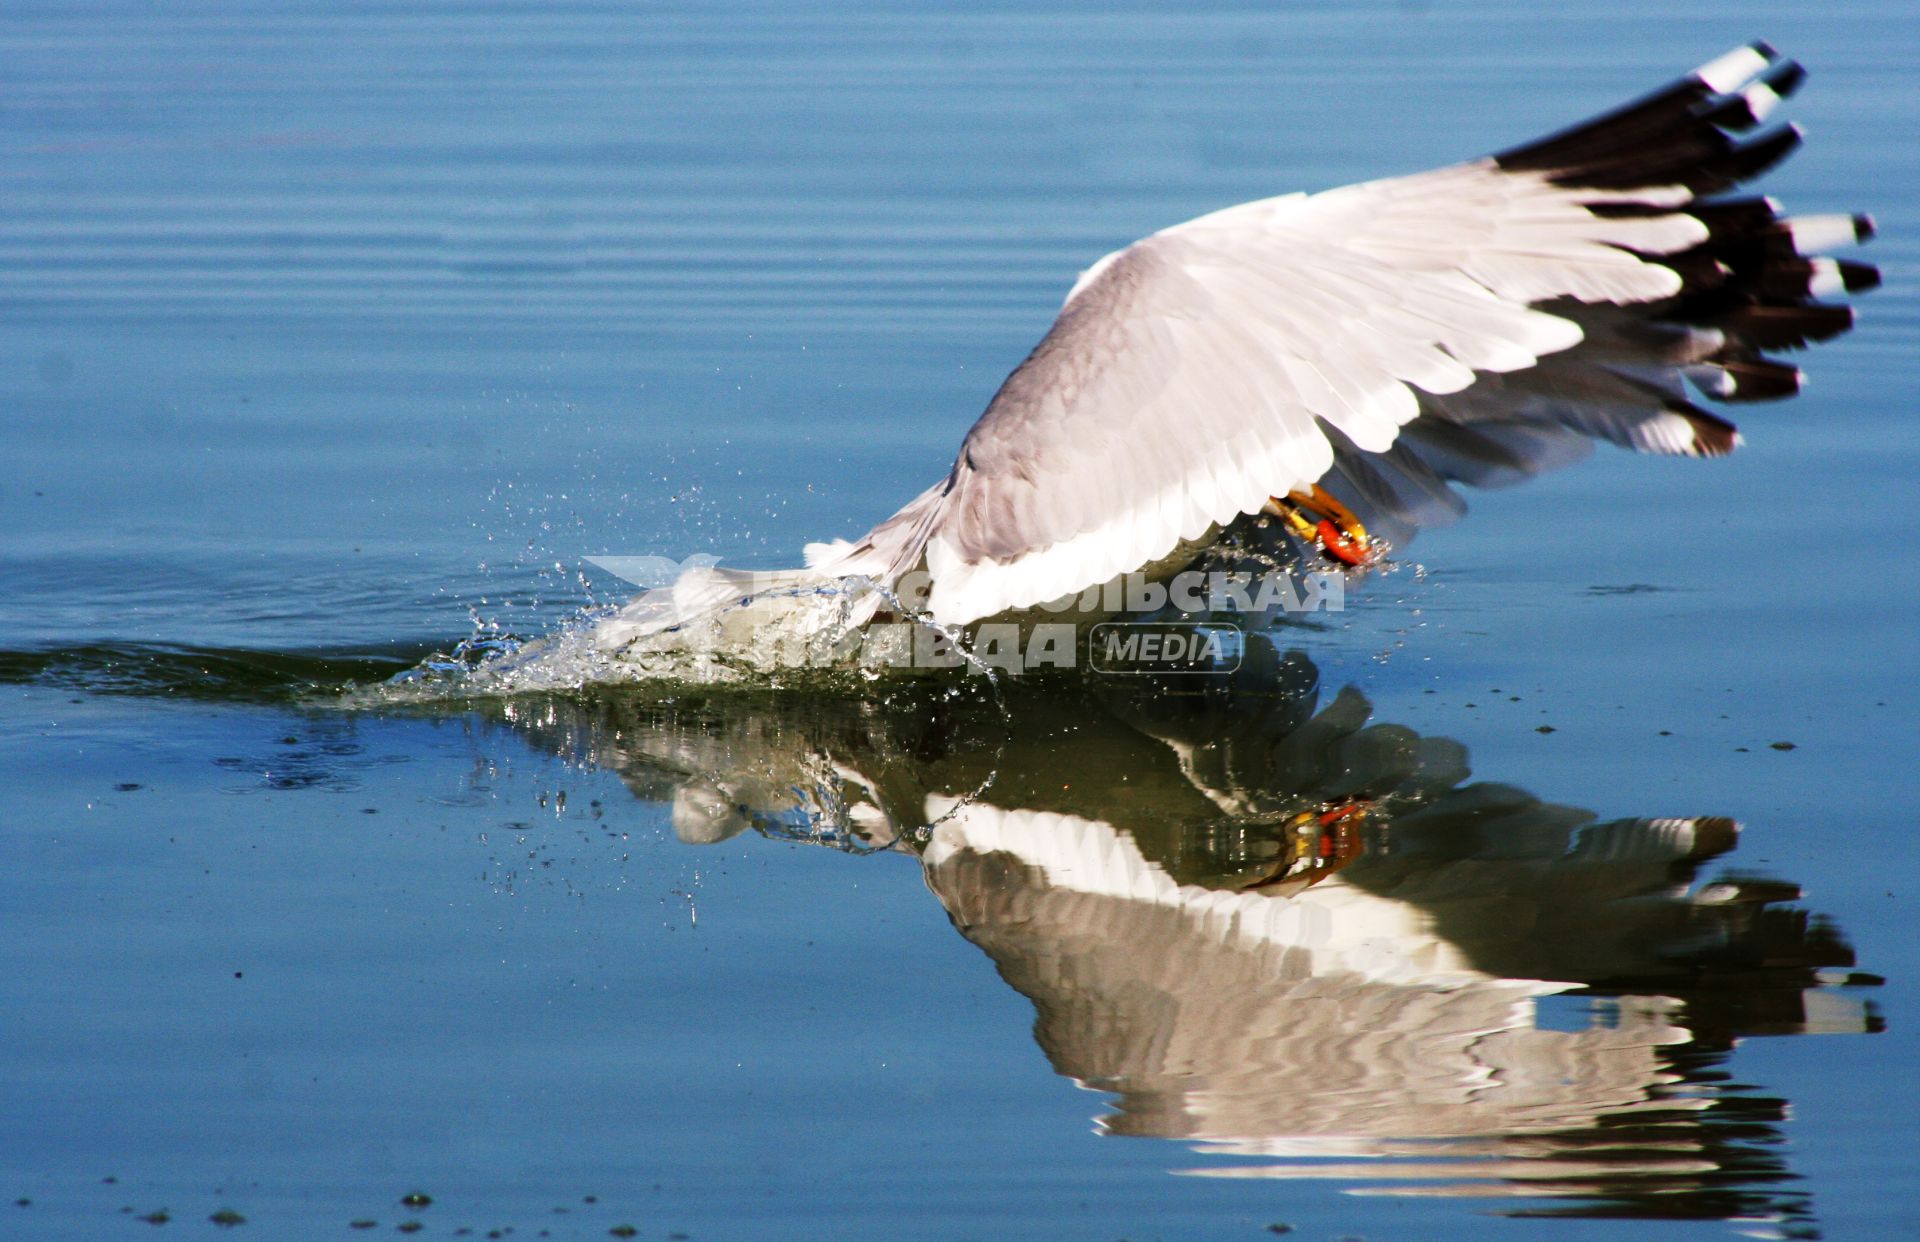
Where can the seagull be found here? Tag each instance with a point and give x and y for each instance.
(1335, 362)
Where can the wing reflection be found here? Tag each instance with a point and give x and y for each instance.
(1295, 938)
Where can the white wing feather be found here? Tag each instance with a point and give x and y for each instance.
(1186, 378)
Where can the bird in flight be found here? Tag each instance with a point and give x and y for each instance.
(1336, 361)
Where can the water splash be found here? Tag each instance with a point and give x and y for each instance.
(800, 632)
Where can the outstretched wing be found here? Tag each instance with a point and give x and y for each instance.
(1565, 287)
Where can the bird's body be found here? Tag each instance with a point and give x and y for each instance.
(1380, 342)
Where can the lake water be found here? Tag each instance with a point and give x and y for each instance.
(334, 334)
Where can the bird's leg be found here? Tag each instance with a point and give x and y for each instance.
(1320, 842)
(1338, 532)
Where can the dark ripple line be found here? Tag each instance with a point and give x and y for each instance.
(204, 674)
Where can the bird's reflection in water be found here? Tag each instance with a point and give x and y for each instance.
(1297, 939)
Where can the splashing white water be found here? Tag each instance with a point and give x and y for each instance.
(707, 629)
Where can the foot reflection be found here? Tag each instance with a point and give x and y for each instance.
(1295, 938)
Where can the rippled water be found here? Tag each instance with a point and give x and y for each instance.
(333, 335)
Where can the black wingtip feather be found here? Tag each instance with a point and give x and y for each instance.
(1678, 135)
(1856, 277)
(1700, 170)
(1611, 132)
(1748, 160)
(1795, 279)
(1729, 218)
(1785, 327)
(1750, 280)
(1758, 379)
(1785, 78)
(1732, 113)
(1736, 111)
(1713, 436)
